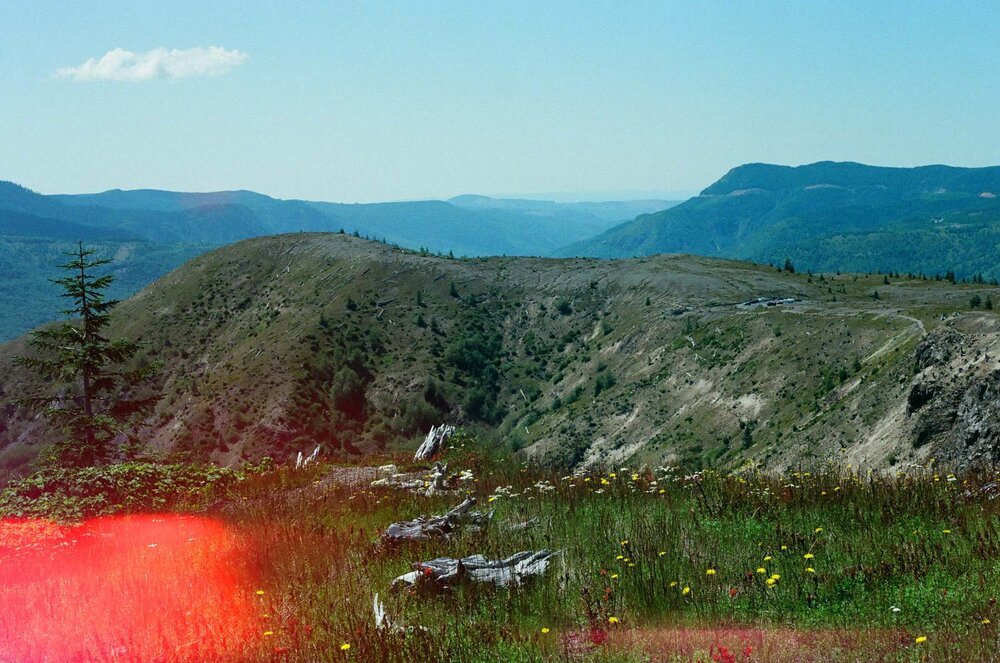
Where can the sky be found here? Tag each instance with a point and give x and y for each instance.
(364, 101)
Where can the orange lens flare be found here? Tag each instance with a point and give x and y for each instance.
(161, 587)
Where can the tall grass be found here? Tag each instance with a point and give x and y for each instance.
(822, 565)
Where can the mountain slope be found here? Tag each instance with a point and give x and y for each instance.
(157, 230)
(276, 344)
(829, 216)
(439, 226)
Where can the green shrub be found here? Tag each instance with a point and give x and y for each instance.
(604, 382)
(76, 493)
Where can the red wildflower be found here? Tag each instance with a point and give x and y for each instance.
(723, 655)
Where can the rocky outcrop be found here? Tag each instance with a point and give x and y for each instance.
(975, 438)
(938, 348)
(954, 400)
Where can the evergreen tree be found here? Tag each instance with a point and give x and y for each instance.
(91, 400)
(789, 267)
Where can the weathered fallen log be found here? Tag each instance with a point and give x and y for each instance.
(433, 442)
(428, 527)
(446, 571)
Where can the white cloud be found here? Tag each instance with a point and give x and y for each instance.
(122, 65)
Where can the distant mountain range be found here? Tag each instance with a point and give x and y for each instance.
(149, 232)
(828, 216)
(824, 216)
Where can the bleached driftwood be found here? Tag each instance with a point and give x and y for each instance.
(438, 477)
(386, 471)
(385, 623)
(447, 571)
(303, 461)
(382, 621)
(431, 484)
(433, 442)
(404, 481)
(428, 527)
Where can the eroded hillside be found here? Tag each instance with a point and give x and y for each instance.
(273, 345)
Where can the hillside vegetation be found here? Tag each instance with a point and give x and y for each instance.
(149, 232)
(829, 216)
(274, 345)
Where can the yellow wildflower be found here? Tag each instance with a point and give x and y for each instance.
(345, 646)
(710, 572)
(808, 556)
(545, 629)
(612, 620)
(921, 638)
(686, 591)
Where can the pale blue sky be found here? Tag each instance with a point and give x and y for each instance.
(384, 101)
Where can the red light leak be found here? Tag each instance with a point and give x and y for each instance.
(163, 587)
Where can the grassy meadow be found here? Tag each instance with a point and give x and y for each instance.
(654, 565)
